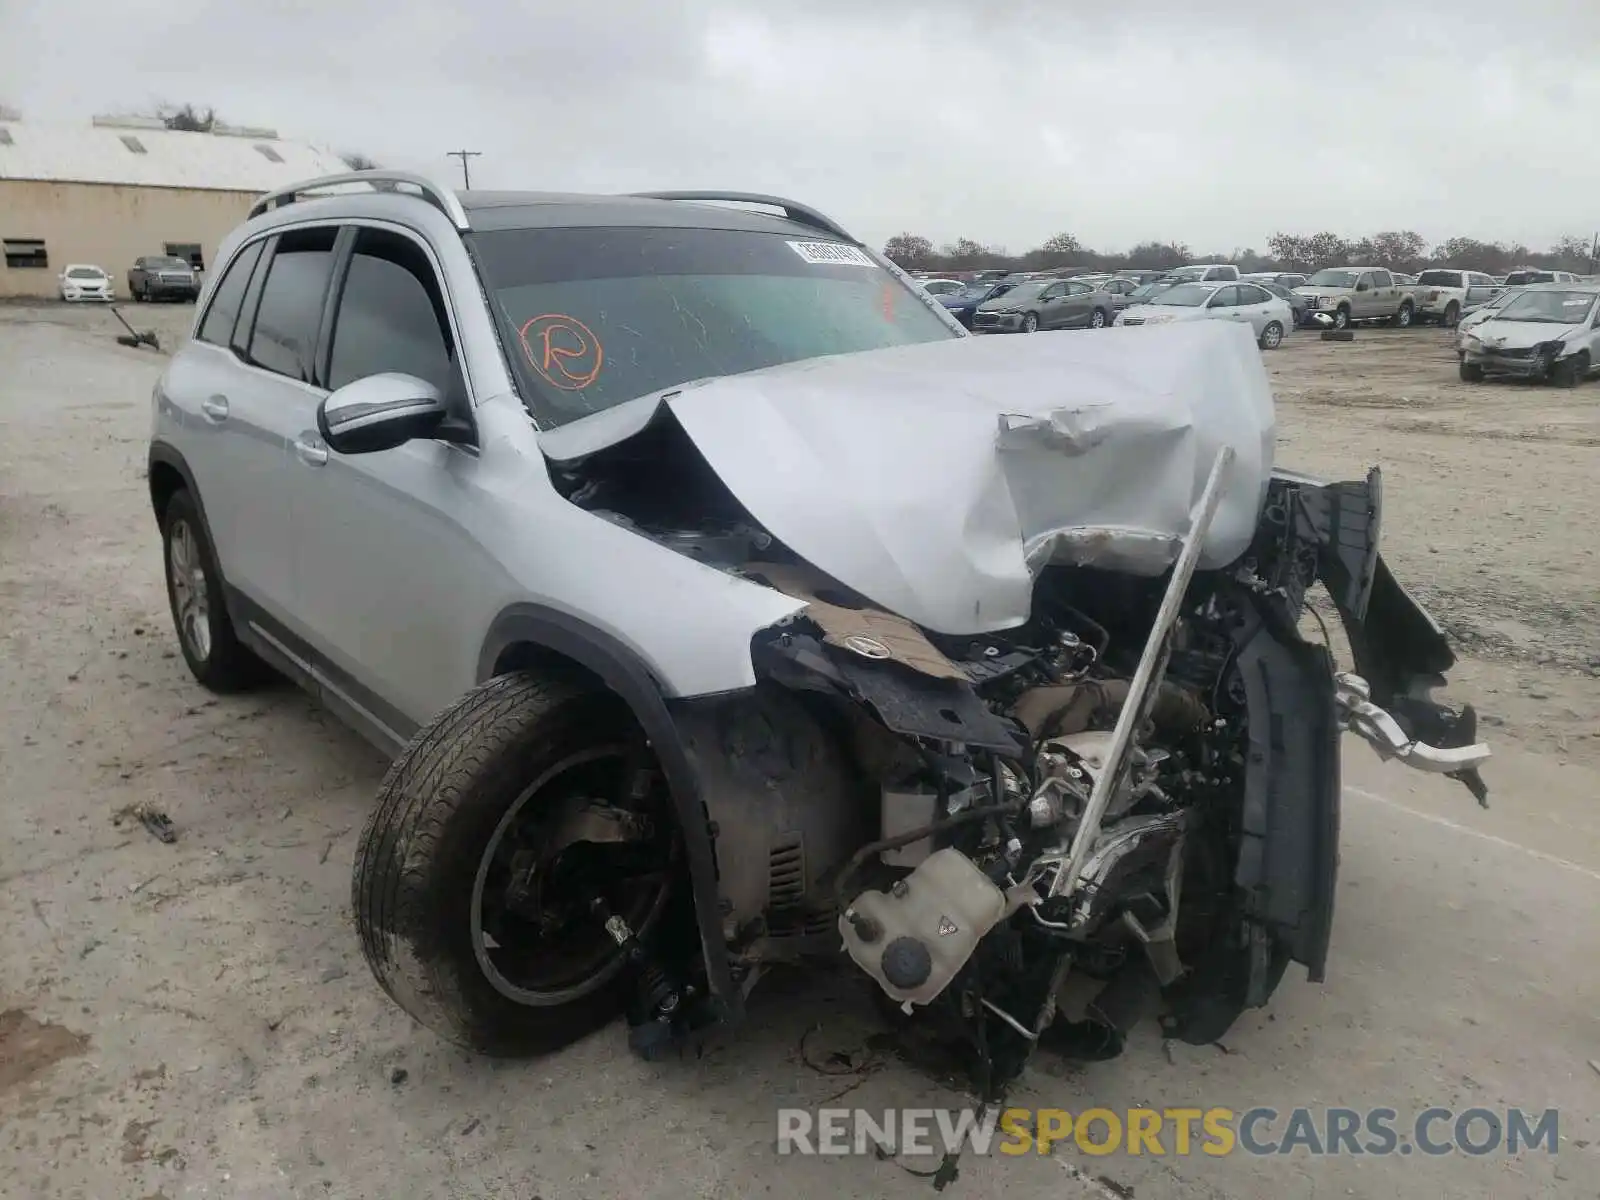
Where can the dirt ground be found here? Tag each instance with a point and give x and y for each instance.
(194, 1019)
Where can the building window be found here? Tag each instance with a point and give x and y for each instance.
(133, 143)
(26, 252)
(189, 252)
(268, 153)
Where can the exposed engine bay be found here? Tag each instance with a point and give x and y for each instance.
(1136, 791)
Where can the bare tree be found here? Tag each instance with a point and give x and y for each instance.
(187, 117)
(910, 251)
(357, 161)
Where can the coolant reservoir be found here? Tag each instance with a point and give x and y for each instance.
(914, 938)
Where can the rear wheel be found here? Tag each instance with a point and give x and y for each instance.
(1030, 323)
(1471, 373)
(512, 823)
(212, 650)
(1402, 319)
(1272, 336)
(1097, 319)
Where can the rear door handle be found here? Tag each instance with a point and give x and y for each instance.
(313, 454)
(215, 407)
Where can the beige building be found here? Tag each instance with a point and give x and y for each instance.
(117, 189)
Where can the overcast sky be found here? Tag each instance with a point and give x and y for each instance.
(1215, 123)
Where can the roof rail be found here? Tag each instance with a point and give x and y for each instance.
(800, 214)
(436, 194)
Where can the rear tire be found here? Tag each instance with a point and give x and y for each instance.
(453, 802)
(1272, 336)
(197, 599)
(1097, 319)
(1402, 319)
(1471, 373)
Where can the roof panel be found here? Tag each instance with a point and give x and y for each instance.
(168, 158)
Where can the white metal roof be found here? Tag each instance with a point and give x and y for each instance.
(97, 153)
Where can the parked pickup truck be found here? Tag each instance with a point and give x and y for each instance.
(1443, 295)
(1349, 294)
(161, 277)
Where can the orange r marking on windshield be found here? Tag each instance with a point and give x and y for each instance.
(566, 352)
(886, 298)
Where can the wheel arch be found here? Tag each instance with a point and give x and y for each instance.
(527, 636)
(168, 474)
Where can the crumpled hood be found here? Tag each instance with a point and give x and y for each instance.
(937, 479)
(1519, 335)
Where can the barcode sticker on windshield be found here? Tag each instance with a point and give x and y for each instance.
(831, 254)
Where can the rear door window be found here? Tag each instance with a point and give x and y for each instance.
(217, 327)
(284, 337)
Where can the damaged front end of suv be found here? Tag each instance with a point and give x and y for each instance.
(1044, 712)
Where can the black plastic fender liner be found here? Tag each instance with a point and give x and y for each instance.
(1288, 861)
(621, 671)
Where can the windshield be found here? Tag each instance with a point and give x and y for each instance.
(1559, 308)
(1333, 279)
(168, 264)
(1440, 279)
(1186, 295)
(595, 317)
(1183, 274)
(1520, 278)
(85, 273)
(981, 291)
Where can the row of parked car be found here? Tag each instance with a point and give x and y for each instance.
(1271, 301)
(152, 277)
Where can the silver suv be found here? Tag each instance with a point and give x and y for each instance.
(726, 604)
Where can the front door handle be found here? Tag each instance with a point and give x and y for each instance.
(215, 407)
(313, 454)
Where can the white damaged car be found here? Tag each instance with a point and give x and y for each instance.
(1544, 331)
(724, 605)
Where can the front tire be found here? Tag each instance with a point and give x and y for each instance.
(195, 594)
(1452, 315)
(487, 780)
(1341, 318)
(1569, 373)
(1097, 319)
(1471, 372)
(1272, 336)
(1030, 323)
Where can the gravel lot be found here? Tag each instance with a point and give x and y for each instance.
(194, 1019)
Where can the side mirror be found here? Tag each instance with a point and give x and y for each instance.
(380, 412)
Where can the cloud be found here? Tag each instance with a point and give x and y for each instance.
(1215, 124)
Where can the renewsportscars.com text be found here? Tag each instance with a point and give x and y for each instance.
(1176, 1132)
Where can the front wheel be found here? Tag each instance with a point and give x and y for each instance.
(1030, 323)
(1272, 336)
(1341, 318)
(1471, 372)
(1570, 372)
(1452, 315)
(512, 824)
(1097, 319)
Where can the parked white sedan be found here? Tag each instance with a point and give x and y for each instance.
(1268, 316)
(80, 281)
